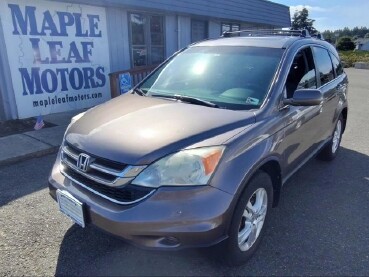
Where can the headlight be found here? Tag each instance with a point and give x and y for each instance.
(76, 117)
(185, 168)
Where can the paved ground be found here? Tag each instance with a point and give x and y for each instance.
(18, 147)
(321, 226)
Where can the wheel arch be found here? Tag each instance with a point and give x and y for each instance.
(273, 169)
(271, 166)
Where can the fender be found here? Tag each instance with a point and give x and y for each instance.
(254, 169)
(251, 159)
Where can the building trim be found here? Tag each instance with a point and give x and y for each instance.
(8, 105)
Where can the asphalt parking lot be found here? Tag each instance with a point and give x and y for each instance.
(321, 226)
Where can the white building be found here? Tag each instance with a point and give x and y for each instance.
(362, 44)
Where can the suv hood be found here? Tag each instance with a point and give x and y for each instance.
(135, 130)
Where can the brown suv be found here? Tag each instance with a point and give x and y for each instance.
(197, 153)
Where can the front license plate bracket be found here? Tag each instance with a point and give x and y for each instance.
(71, 207)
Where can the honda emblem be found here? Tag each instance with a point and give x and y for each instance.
(83, 162)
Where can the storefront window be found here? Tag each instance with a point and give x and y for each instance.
(147, 39)
(226, 27)
(138, 29)
(139, 55)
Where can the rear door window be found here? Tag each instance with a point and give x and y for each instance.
(324, 65)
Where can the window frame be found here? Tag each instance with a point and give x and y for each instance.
(147, 35)
(306, 62)
(319, 83)
(339, 64)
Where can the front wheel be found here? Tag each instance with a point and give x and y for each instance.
(249, 218)
(329, 152)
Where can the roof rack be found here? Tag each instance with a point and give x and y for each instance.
(318, 36)
(268, 32)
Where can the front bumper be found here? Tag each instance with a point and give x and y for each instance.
(171, 217)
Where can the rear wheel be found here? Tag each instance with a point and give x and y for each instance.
(329, 152)
(249, 219)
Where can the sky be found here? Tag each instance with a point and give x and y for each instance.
(332, 14)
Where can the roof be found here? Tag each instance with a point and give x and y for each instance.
(268, 41)
(362, 40)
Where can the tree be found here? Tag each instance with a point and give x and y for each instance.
(345, 44)
(328, 36)
(346, 32)
(301, 21)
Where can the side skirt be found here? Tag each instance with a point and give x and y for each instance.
(316, 151)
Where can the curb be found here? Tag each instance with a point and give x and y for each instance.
(37, 154)
(361, 65)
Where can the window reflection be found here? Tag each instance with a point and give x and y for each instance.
(324, 65)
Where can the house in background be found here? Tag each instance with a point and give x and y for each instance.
(362, 44)
(56, 55)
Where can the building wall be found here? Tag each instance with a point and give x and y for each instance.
(362, 44)
(117, 21)
(214, 28)
(184, 31)
(365, 46)
(177, 15)
(7, 99)
(238, 10)
(177, 34)
(171, 35)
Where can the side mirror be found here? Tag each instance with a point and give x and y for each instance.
(305, 97)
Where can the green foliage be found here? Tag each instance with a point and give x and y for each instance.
(349, 58)
(301, 21)
(356, 31)
(345, 44)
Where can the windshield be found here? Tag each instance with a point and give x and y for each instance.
(231, 77)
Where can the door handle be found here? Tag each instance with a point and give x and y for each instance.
(284, 107)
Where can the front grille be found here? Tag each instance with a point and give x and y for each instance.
(101, 168)
(109, 179)
(126, 195)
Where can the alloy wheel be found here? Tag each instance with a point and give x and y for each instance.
(337, 136)
(252, 220)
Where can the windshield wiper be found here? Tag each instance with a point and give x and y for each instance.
(139, 91)
(188, 99)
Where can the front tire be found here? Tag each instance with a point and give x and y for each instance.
(249, 218)
(329, 152)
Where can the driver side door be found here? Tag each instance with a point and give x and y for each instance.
(302, 132)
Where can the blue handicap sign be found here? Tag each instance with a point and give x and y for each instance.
(125, 82)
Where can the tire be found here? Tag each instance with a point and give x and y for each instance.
(329, 152)
(244, 221)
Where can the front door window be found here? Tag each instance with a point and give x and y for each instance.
(302, 72)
